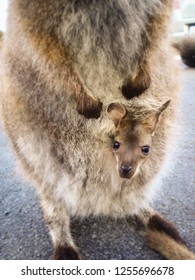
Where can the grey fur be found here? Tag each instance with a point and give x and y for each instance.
(55, 48)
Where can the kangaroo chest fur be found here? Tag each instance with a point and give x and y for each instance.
(105, 39)
(106, 42)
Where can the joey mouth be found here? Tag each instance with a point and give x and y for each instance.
(126, 171)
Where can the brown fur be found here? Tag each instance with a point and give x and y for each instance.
(157, 223)
(1, 38)
(61, 59)
(55, 54)
(132, 137)
(65, 253)
(186, 48)
(167, 246)
(157, 27)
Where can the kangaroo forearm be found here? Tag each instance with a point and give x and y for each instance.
(72, 84)
(156, 29)
(51, 61)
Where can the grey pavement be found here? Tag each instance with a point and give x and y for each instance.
(23, 234)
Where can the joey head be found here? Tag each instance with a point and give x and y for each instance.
(132, 142)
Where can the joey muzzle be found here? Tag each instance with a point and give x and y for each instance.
(126, 171)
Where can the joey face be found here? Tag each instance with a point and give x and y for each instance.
(131, 147)
(132, 142)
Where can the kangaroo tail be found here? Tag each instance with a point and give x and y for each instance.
(162, 236)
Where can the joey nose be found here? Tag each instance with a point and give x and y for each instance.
(126, 169)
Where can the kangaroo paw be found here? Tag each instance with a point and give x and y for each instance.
(136, 86)
(89, 107)
(65, 253)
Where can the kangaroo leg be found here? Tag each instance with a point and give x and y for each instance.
(58, 222)
(65, 253)
(163, 237)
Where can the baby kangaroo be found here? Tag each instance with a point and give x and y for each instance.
(133, 140)
(132, 145)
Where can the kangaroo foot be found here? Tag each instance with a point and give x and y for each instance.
(65, 253)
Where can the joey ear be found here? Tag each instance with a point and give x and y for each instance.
(116, 112)
(151, 122)
(164, 106)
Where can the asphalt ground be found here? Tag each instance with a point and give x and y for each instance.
(23, 234)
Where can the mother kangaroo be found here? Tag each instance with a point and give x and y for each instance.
(89, 103)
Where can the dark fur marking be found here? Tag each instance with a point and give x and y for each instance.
(65, 253)
(189, 60)
(158, 223)
(131, 89)
(186, 49)
(89, 107)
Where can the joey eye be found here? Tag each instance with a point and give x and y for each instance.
(116, 145)
(145, 150)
